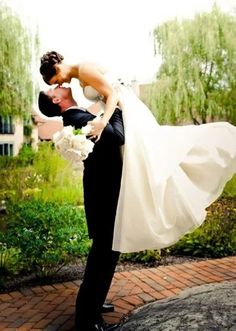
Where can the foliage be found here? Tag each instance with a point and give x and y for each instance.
(146, 256)
(26, 155)
(43, 175)
(19, 184)
(17, 51)
(197, 78)
(9, 262)
(25, 158)
(8, 162)
(230, 188)
(46, 235)
(48, 163)
(60, 182)
(216, 237)
(15, 182)
(28, 129)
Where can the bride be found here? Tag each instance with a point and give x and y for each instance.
(170, 173)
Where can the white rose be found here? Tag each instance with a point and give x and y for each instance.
(67, 131)
(74, 148)
(63, 144)
(78, 141)
(89, 145)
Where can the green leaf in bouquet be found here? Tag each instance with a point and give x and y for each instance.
(77, 131)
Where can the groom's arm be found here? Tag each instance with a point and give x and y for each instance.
(116, 121)
(112, 133)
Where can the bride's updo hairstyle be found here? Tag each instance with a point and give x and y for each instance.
(48, 60)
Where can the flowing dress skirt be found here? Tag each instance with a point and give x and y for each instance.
(170, 175)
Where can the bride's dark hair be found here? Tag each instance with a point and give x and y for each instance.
(48, 60)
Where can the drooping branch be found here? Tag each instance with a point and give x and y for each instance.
(208, 38)
(18, 48)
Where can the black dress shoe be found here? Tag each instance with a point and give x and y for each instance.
(112, 327)
(105, 327)
(107, 308)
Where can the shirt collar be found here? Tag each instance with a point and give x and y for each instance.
(76, 107)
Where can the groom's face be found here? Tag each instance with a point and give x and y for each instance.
(60, 92)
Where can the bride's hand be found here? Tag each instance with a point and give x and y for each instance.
(97, 126)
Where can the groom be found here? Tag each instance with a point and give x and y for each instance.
(101, 181)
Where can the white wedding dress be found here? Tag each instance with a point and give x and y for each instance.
(170, 175)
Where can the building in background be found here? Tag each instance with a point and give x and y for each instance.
(14, 132)
(45, 128)
(11, 135)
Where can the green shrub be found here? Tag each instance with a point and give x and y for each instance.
(28, 129)
(60, 183)
(47, 235)
(9, 262)
(146, 256)
(26, 155)
(8, 162)
(19, 184)
(9, 259)
(230, 188)
(62, 193)
(216, 237)
(47, 177)
(24, 158)
(48, 163)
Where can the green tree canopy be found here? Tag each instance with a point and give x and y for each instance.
(17, 51)
(197, 79)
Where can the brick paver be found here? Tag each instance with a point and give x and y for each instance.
(51, 307)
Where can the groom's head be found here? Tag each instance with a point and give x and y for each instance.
(55, 101)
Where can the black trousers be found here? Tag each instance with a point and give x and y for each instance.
(99, 271)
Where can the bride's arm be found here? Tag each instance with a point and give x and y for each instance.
(90, 75)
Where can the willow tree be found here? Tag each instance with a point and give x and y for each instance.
(18, 49)
(197, 79)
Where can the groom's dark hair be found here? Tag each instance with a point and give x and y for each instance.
(47, 107)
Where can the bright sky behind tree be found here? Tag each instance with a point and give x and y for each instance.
(116, 33)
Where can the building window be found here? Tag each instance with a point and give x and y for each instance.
(6, 125)
(6, 149)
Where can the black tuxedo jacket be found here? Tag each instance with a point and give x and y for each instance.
(102, 172)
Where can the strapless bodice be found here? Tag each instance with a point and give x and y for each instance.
(92, 94)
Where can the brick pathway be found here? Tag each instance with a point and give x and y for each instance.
(51, 307)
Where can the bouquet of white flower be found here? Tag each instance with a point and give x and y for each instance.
(73, 145)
